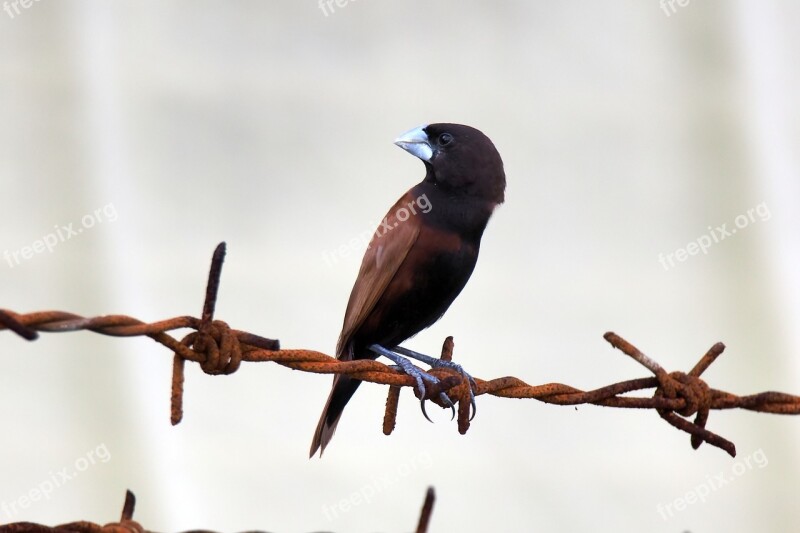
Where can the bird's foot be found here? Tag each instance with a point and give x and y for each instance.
(419, 375)
(435, 362)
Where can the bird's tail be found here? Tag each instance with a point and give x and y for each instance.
(343, 389)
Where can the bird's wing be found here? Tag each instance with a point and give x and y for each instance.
(387, 250)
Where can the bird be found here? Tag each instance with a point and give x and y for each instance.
(420, 257)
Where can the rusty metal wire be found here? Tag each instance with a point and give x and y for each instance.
(127, 524)
(219, 349)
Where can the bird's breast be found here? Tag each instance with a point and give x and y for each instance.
(431, 277)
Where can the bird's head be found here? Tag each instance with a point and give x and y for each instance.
(459, 159)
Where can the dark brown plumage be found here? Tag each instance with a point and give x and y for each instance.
(422, 254)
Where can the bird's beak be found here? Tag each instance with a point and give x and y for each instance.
(416, 142)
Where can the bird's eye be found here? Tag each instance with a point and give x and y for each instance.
(445, 139)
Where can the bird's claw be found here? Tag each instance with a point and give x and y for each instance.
(441, 363)
(420, 376)
(445, 399)
(470, 382)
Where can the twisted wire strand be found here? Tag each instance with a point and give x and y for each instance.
(219, 349)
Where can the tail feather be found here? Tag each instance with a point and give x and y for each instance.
(343, 389)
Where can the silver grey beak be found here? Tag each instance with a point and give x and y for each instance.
(416, 142)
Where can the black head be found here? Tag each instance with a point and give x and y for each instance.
(459, 159)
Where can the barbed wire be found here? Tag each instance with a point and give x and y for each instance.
(219, 349)
(127, 524)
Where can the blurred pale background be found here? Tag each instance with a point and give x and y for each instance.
(627, 129)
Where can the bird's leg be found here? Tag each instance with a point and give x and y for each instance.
(435, 362)
(420, 376)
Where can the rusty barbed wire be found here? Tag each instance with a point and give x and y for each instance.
(127, 524)
(218, 349)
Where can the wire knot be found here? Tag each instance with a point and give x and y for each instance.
(126, 526)
(693, 390)
(217, 348)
